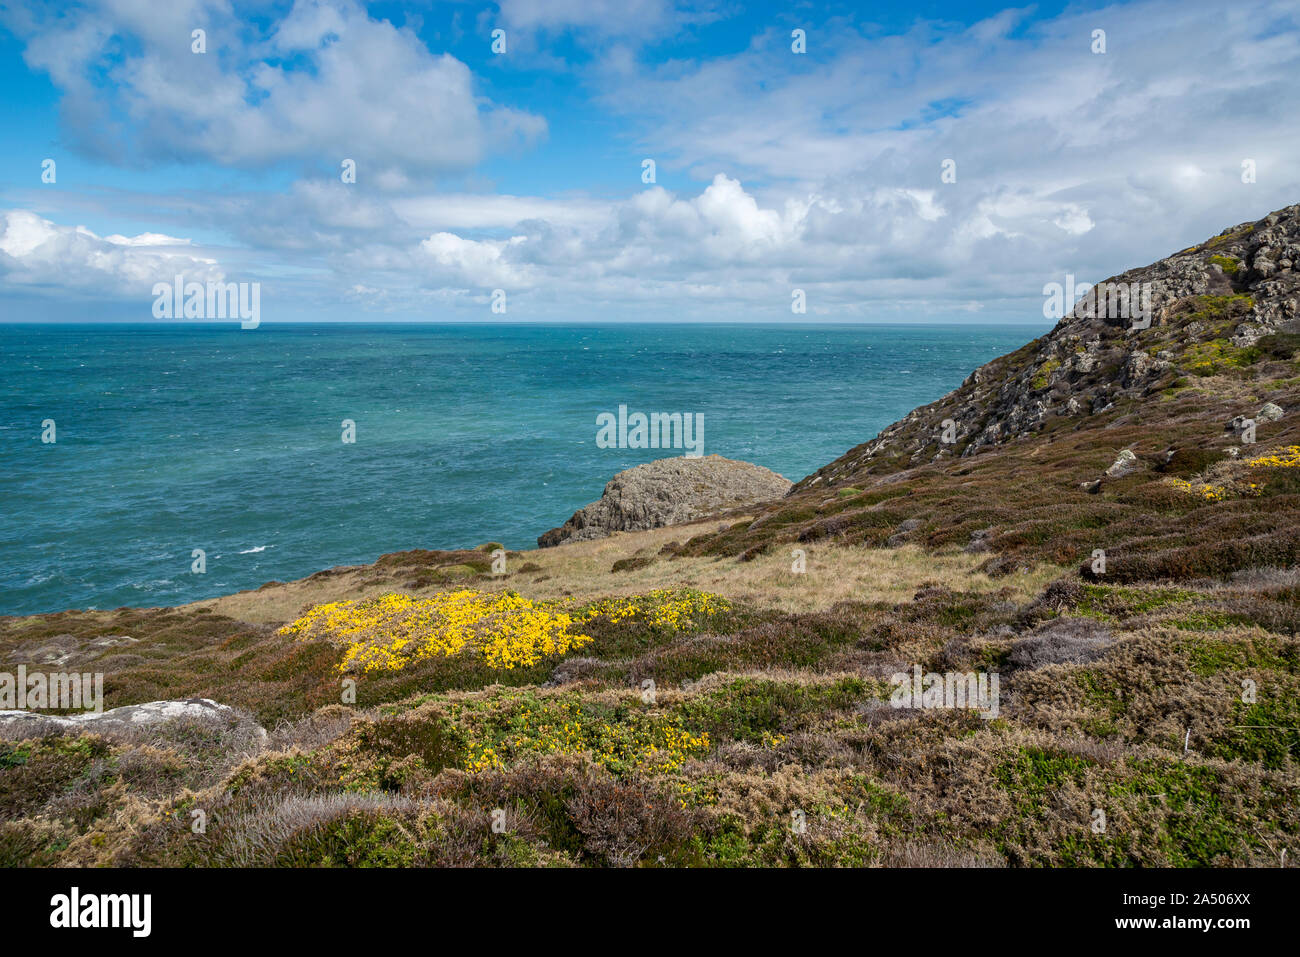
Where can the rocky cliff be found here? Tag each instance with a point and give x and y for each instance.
(1209, 306)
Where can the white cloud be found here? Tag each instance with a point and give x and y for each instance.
(146, 239)
(601, 18)
(325, 83)
(494, 211)
(472, 262)
(36, 253)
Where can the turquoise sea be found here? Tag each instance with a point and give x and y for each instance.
(172, 437)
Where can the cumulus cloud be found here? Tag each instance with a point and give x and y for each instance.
(472, 262)
(324, 83)
(495, 211)
(37, 254)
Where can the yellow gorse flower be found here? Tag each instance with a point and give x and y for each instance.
(668, 608)
(506, 629)
(392, 631)
(1284, 458)
(1208, 492)
(1287, 457)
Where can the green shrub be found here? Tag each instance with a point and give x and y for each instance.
(1228, 264)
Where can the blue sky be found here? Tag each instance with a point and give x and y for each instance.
(522, 170)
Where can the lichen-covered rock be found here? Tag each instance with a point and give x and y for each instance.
(1126, 463)
(128, 717)
(669, 492)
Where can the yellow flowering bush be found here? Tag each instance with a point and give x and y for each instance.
(1284, 458)
(673, 609)
(506, 630)
(1230, 481)
(390, 632)
(1208, 492)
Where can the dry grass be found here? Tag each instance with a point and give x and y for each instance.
(581, 570)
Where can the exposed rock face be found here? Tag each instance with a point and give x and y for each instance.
(132, 716)
(1202, 306)
(669, 492)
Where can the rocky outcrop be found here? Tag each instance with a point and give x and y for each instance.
(127, 718)
(669, 492)
(59, 651)
(1125, 464)
(1201, 309)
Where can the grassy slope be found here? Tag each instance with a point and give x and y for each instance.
(1121, 691)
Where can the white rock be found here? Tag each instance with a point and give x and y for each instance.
(1124, 464)
(131, 715)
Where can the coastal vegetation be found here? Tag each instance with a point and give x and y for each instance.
(1114, 534)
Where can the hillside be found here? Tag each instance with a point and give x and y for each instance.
(1085, 520)
(1034, 433)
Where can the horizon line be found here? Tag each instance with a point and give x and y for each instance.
(221, 324)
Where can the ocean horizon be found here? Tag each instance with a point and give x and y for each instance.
(173, 437)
